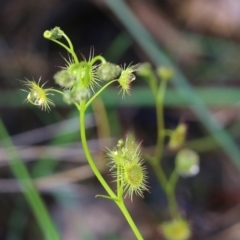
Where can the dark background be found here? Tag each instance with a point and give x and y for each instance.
(200, 37)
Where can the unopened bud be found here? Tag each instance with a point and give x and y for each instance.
(55, 33)
(165, 73)
(64, 79)
(108, 71)
(177, 229)
(178, 137)
(144, 69)
(76, 96)
(187, 163)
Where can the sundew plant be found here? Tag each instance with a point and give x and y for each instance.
(80, 83)
(186, 160)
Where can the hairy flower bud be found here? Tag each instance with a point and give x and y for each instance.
(53, 34)
(127, 167)
(37, 95)
(76, 96)
(108, 71)
(126, 78)
(64, 79)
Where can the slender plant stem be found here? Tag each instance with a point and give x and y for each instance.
(167, 185)
(97, 58)
(119, 200)
(97, 93)
(61, 44)
(87, 152)
(129, 219)
(54, 90)
(159, 174)
(118, 183)
(173, 179)
(29, 190)
(100, 114)
(160, 120)
(173, 206)
(171, 194)
(71, 48)
(68, 41)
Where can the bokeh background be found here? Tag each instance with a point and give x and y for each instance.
(199, 39)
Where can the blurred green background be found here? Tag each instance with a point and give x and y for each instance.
(198, 39)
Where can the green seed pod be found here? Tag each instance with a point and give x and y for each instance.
(64, 79)
(187, 163)
(108, 71)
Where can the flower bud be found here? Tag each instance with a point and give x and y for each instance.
(120, 143)
(108, 71)
(126, 78)
(37, 95)
(76, 96)
(177, 229)
(53, 34)
(165, 73)
(187, 163)
(144, 70)
(178, 137)
(127, 167)
(64, 79)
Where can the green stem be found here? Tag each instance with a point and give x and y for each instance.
(160, 120)
(97, 58)
(94, 168)
(68, 41)
(61, 44)
(97, 93)
(70, 50)
(30, 192)
(54, 90)
(167, 132)
(168, 186)
(173, 206)
(87, 152)
(159, 174)
(129, 219)
(119, 183)
(152, 81)
(173, 179)
(100, 114)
